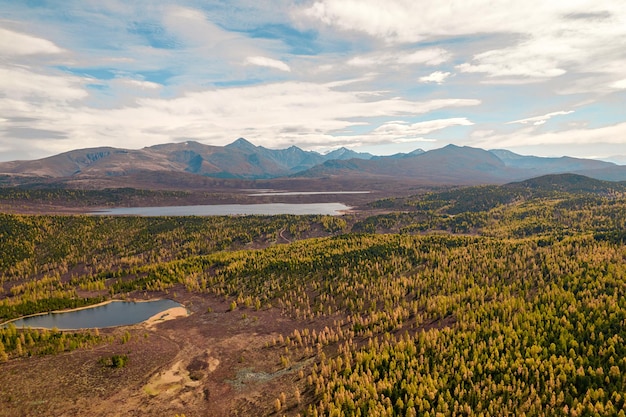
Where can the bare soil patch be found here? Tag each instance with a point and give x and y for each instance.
(212, 362)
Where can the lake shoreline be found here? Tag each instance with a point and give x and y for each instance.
(103, 303)
(259, 209)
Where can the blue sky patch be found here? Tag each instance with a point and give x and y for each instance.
(300, 43)
(154, 34)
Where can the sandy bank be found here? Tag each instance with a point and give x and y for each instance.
(169, 314)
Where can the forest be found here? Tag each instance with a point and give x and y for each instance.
(487, 301)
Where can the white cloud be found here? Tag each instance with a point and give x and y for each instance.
(429, 56)
(399, 130)
(193, 28)
(413, 140)
(545, 39)
(620, 84)
(21, 83)
(565, 44)
(14, 43)
(141, 84)
(274, 112)
(268, 62)
(613, 134)
(272, 115)
(512, 62)
(435, 77)
(414, 21)
(539, 120)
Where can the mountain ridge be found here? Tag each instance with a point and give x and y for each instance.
(241, 159)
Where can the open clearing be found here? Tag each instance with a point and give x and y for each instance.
(216, 363)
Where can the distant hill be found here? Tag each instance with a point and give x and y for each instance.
(571, 183)
(450, 165)
(486, 197)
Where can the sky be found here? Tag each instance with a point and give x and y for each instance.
(537, 77)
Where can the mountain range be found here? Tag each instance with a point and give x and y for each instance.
(450, 165)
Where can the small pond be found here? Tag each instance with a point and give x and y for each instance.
(231, 210)
(115, 313)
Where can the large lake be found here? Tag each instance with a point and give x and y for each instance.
(264, 193)
(115, 313)
(333, 209)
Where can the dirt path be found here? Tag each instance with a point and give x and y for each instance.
(283, 236)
